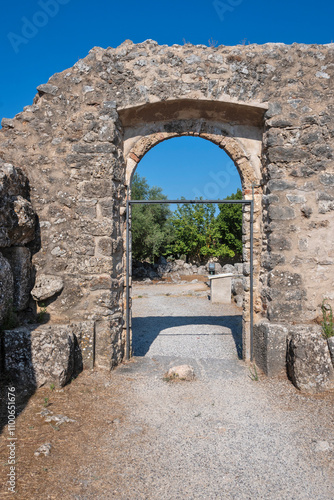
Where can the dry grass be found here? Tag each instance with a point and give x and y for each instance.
(75, 446)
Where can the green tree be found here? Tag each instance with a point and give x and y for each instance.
(192, 230)
(229, 224)
(196, 232)
(151, 229)
(199, 234)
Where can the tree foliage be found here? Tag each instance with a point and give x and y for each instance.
(195, 231)
(229, 222)
(192, 230)
(151, 228)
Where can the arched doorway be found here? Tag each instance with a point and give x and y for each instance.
(244, 148)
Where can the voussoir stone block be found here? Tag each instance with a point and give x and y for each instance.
(308, 359)
(39, 356)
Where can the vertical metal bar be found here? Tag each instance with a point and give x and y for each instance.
(127, 341)
(251, 274)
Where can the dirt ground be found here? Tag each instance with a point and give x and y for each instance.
(136, 436)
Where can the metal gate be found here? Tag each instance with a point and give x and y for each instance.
(181, 202)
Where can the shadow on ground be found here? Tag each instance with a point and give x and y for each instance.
(146, 330)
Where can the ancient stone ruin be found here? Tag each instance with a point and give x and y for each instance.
(66, 167)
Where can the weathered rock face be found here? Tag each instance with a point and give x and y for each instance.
(309, 362)
(17, 228)
(39, 356)
(269, 107)
(84, 334)
(330, 343)
(46, 286)
(19, 259)
(6, 287)
(17, 217)
(270, 344)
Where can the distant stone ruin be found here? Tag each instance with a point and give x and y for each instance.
(66, 167)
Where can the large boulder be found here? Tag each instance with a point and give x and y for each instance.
(17, 217)
(229, 268)
(6, 287)
(308, 359)
(39, 356)
(164, 267)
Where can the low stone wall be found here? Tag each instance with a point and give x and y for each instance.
(175, 270)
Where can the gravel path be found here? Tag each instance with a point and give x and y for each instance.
(224, 435)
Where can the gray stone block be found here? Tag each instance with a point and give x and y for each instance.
(308, 360)
(281, 213)
(270, 344)
(84, 333)
(39, 356)
(17, 217)
(103, 345)
(6, 286)
(47, 88)
(19, 259)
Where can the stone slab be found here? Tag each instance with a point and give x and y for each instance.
(220, 286)
(37, 356)
(19, 259)
(270, 345)
(308, 359)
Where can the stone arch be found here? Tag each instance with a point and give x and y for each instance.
(73, 145)
(245, 152)
(249, 173)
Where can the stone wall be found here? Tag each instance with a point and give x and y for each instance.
(269, 107)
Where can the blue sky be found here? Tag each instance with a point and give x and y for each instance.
(42, 37)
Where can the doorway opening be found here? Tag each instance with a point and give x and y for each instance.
(242, 144)
(243, 202)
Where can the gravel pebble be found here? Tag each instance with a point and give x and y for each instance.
(224, 435)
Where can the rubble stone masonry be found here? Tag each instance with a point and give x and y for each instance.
(67, 162)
